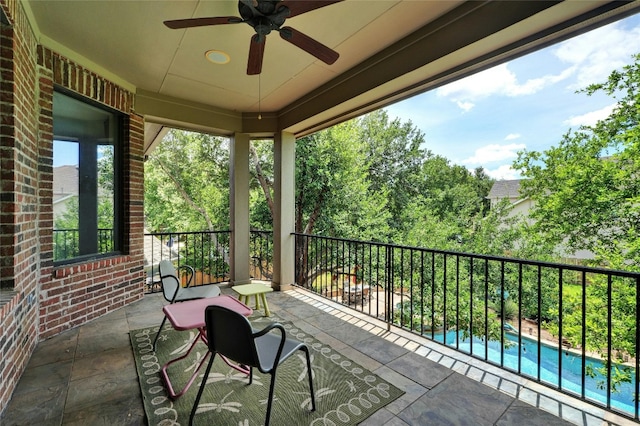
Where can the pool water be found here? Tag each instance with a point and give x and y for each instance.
(571, 374)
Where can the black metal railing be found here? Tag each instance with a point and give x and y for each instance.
(207, 252)
(261, 252)
(575, 329)
(66, 242)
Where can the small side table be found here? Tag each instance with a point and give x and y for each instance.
(246, 290)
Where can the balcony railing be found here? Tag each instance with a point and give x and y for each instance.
(261, 252)
(66, 242)
(207, 252)
(553, 323)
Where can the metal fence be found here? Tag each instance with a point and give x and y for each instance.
(207, 252)
(575, 329)
(261, 253)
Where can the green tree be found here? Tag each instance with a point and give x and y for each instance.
(394, 156)
(449, 208)
(587, 196)
(261, 184)
(332, 191)
(586, 190)
(187, 183)
(187, 189)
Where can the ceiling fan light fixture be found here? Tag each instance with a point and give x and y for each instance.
(217, 57)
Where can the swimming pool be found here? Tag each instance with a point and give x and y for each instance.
(571, 373)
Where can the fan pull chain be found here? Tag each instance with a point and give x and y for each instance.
(259, 99)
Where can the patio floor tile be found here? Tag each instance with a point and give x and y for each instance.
(458, 400)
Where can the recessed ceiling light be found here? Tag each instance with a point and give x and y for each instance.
(217, 56)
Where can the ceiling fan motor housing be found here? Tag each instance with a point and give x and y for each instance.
(263, 18)
(263, 27)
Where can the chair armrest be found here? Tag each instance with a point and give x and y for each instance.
(283, 338)
(175, 294)
(268, 328)
(190, 272)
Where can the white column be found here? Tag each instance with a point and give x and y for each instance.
(239, 208)
(284, 156)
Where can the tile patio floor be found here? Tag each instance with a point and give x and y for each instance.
(87, 376)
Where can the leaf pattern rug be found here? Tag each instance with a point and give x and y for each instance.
(346, 393)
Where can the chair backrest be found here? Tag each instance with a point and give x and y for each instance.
(169, 278)
(230, 334)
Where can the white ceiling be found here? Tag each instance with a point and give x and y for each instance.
(389, 49)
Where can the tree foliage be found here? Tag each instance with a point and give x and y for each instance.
(586, 189)
(332, 185)
(187, 183)
(393, 153)
(587, 196)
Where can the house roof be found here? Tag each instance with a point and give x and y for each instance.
(389, 50)
(65, 182)
(155, 251)
(505, 189)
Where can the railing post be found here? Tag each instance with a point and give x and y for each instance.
(388, 285)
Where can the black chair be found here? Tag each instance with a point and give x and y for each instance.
(230, 334)
(173, 291)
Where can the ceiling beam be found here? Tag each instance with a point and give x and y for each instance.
(443, 36)
(185, 114)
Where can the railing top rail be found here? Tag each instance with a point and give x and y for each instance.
(219, 231)
(155, 234)
(76, 229)
(577, 268)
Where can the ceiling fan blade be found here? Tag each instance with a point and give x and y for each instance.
(309, 45)
(202, 22)
(298, 7)
(256, 53)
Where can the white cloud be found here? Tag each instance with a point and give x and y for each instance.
(595, 54)
(504, 172)
(479, 85)
(499, 80)
(494, 152)
(590, 118)
(465, 106)
(512, 136)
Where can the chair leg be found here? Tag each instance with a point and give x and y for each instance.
(271, 388)
(313, 396)
(158, 333)
(204, 382)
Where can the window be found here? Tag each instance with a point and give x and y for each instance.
(86, 188)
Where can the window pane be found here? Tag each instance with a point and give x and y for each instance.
(84, 183)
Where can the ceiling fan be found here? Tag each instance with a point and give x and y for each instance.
(266, 16)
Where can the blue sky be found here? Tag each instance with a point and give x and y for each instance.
(525, 104)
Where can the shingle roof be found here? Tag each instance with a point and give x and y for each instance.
(65, 180)
(65, 183)
(505, 189)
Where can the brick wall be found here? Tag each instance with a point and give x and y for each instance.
(18, 199)
(74, 294)
(38, 300)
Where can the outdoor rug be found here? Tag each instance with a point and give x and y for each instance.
(346, 393)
